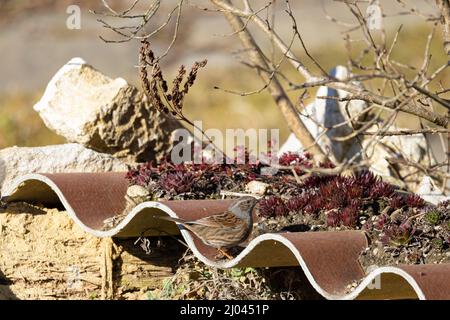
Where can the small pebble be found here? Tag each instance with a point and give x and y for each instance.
(256, 187)
(136, 191)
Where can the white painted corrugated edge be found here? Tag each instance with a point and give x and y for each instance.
(227, 264)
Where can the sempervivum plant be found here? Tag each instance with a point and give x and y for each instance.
(341, 201)
(394, 220)
(409, 234)
(398, 233)
(205, 180)
(143, 174)
(336, 200)
(347, 217)
(272, 207)
(397, 201)
(297, 161)
(180, 181)
(414, 201)
(197, 181)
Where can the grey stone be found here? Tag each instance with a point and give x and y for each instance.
(104, 114)
(16, 161)
(256, 187)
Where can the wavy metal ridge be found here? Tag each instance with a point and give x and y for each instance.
(328, 259)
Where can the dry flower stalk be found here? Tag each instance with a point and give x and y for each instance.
(156, 88)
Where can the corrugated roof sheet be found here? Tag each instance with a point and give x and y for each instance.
(328, 259)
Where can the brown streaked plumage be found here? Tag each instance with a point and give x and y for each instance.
(223, 230)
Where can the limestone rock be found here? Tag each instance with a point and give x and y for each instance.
(256, 187)
(104, 114)
(15, 161)
(136, 191)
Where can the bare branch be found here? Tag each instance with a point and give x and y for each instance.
(406, 132)
(274, 86)
(444, 7)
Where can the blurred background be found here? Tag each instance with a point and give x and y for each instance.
(35, 42)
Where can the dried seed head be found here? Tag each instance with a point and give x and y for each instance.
(164, 85)
(179, 78)
(145, 54)
(177, 95)
(193, 75)
(156, 87)
(148, 55)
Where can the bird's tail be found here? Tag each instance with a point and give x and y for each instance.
(170, 219)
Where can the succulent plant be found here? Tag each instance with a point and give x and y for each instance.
(341, 201)
(366, 179)
(347, 217)
(333, 218)
(292, 159)
(272, 207)
(296, 160)
(142, 175)
(381, 222)
(437, 243)
(177, 182)
(432, 217)
(381, 189)
(414, 201)
(316, 181)
(398, 234)
(297, 203)
(396, 202)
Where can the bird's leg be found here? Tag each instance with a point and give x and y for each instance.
(224, 253)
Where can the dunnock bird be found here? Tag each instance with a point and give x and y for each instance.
(223, 230)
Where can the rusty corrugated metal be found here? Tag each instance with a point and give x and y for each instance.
(328, 259)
